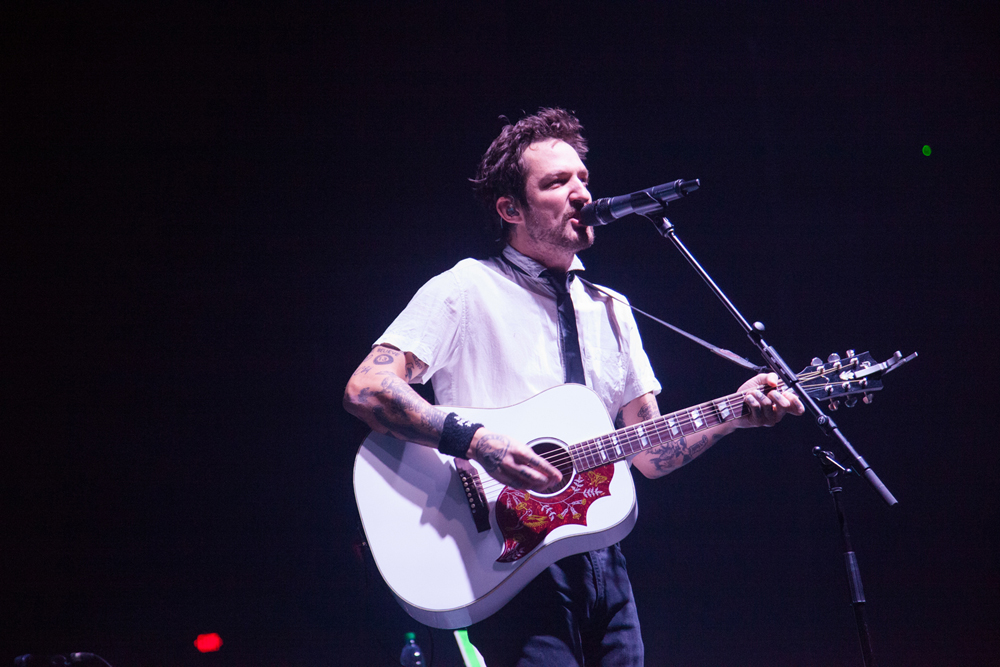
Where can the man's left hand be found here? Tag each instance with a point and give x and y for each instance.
(765, 404)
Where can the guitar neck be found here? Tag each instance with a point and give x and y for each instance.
(630, 440)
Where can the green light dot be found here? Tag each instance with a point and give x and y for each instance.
(927, 150)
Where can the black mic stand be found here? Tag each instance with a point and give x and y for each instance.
(791, 380)
(831, 469)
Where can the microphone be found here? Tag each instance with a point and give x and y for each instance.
(603, 211)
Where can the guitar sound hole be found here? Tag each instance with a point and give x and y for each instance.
(556, 454)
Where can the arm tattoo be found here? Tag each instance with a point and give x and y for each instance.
(490, 450)
(677, 453)
(649, 410)
(383, 356)
(620, 420)
(414, 368)
(401, 411)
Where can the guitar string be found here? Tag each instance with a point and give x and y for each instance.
(709, 413)
(629, 436)
(585, 450)
(672, 425)
(627, 440)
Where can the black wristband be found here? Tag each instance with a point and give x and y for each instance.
(457, 436)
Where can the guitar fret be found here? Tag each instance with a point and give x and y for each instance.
(628, 441)
(620, 441)
(685, 425)
(639, 431)
(635, 442)
(711, 414)
(736, 406)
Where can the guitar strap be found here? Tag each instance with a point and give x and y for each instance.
(535, 284)
(725, 354)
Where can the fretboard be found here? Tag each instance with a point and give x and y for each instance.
(657, 431)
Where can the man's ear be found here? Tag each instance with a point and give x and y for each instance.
(509, 210)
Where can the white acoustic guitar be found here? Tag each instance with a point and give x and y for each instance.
(454, 545)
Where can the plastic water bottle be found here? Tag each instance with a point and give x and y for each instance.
(411, 656)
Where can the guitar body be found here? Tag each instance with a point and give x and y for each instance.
(424, 539)
(455, 545)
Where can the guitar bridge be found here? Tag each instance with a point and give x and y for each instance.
(474, 494)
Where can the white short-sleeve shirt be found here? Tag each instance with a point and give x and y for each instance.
(488, 331)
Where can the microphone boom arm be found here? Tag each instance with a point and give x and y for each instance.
(777, 364)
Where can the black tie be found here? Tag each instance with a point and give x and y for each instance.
(568, 336)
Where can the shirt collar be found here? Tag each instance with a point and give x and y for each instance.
(532, 267)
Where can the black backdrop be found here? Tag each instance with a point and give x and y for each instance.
(212, 211)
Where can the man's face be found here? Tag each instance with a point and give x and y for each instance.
(556, 190)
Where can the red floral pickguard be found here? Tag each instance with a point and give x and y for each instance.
(525, 519)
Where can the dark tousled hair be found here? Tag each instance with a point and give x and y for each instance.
(501, 172)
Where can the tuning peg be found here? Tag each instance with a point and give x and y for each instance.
(850, 353)
(833, 357)
(833, 406)
(851, 401)
(868, 398)
(816, 361)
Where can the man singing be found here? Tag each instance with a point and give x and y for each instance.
(495, 332)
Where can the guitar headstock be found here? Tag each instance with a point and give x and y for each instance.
(843, 380)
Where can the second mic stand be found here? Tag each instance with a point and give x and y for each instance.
(774, 360)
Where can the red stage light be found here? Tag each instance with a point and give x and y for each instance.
(208, 643)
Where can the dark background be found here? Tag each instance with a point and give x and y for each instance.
(211, 212)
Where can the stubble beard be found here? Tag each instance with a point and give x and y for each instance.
(563, 237)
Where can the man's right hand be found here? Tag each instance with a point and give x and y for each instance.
(512, 463)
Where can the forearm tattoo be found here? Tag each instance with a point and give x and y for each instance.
(402, 412)
(394, 405)
(677, 453)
